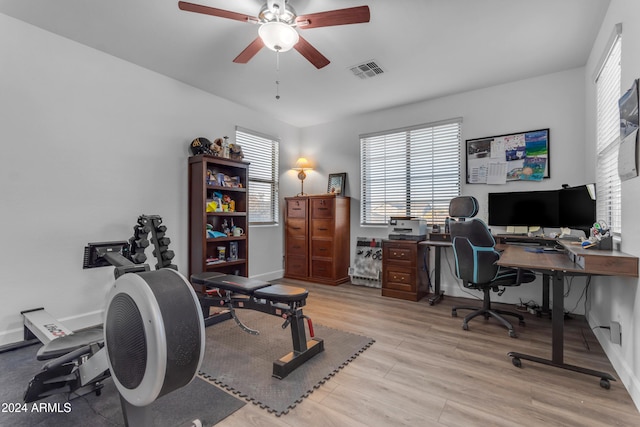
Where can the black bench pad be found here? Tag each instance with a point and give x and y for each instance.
(205, 277)
(228, 282)
(281, 293)
(252, 287)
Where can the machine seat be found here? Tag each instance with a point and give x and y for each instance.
(68, 343)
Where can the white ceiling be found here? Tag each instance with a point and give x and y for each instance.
(427, 48)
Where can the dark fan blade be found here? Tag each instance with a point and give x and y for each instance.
(249, 52)
(190, 7)
(311, 53)
(352, 15)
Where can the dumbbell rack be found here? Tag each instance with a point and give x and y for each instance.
(139, 242)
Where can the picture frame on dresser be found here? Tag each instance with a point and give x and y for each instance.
(336, 183)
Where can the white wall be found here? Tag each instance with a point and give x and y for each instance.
(614, 298)
(88, 143)
(554, 101)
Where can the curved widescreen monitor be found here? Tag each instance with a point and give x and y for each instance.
(524, 208)
(572, 207)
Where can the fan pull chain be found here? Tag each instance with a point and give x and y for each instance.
(277, 74)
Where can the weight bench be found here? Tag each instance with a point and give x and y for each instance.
(279, 300)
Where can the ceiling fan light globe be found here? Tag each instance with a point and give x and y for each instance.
(278, 36)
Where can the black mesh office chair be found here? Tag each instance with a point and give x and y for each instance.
(475, 255)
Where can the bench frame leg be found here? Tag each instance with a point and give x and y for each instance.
(303, 350)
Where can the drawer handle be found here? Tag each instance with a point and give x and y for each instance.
(297, 228)
(323, 209)
(323, 229)
(296, 209)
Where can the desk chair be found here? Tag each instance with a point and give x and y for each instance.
(475, 255)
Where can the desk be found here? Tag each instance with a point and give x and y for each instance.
(437, 245)
(557, 266)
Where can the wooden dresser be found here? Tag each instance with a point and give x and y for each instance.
(404, 269)
(317, 238)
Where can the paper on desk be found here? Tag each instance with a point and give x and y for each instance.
(627, 157)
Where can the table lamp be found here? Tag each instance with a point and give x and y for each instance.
(302, 164)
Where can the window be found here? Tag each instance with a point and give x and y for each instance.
(608, 186)
(262, 152)
(410, 172)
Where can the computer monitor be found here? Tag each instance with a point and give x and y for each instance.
(578, 207)
(524, 208)
(572, 207)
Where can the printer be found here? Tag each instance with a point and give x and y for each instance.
(405, 228)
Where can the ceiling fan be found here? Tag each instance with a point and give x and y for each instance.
(278, 20)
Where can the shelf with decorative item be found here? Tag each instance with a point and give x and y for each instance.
(223, 263)
(218, 207)
(219, 188)
(226, 239)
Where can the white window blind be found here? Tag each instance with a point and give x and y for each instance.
(410, 172)
(262, 152)
(608, 185)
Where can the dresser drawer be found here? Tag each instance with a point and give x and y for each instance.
(322, 208)
(402, 279)
(296, 266)
(322, 248)
(322, 269)
(296, 245)
(296, 208)
(393, 253)
(322, 228)
(296, 227)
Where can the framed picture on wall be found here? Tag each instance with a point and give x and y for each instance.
(522, 156)
(336, 183)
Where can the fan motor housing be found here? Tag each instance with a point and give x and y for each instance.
(154, 334)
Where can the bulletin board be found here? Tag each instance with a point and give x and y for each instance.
(522, 156)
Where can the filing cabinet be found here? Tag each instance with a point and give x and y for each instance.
(405, 269)
(317, 238)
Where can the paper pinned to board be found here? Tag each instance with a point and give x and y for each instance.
(497, 173)
(628, 157)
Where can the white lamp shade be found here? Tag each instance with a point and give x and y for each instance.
(278, 36)
(302, 164)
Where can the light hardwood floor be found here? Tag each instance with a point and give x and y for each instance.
(424, 370)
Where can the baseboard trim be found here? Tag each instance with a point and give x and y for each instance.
(272, 275)
(614, 354)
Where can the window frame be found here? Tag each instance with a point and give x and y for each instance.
(265, 171)
(395, 172)
(607, 143)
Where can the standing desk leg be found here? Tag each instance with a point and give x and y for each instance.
(545, 295)
(557, 339)
(557, 320)
(438, 295)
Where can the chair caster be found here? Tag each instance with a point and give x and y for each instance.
(518, 363)
(604, 383)
(512, 333)
(521, 323)
(465, 326)
(454, 313)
